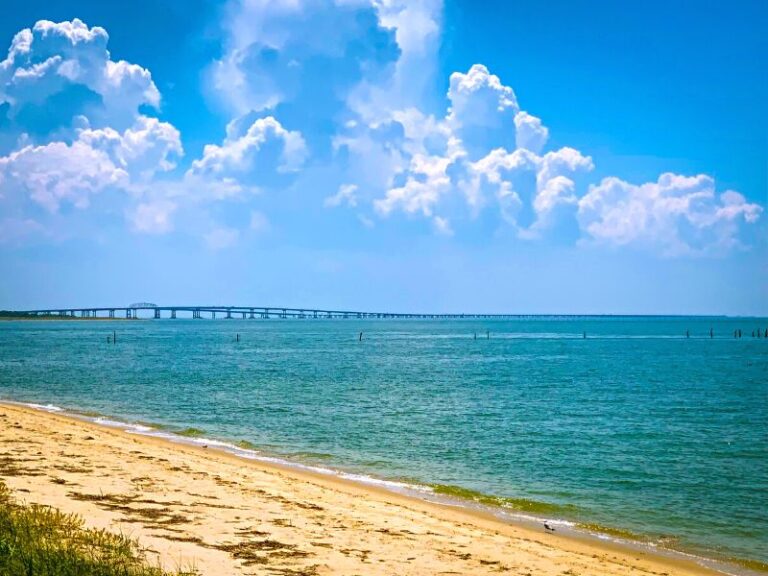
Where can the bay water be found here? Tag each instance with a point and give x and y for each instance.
(635, 430)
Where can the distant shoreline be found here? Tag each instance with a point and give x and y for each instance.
(61, 319)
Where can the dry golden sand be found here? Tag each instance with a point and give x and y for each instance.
(225, 515)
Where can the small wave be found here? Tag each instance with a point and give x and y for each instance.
(45, 407)
(104, 421)
(608, 531)
(391, 484)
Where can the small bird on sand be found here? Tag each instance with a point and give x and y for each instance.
(548, 527)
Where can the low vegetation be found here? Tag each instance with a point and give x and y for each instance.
(38, 540)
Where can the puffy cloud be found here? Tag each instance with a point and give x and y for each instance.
(491, 153)
(421, 162)
(147, 147)
(265, 147)
(344, 195)
(416, 25)
(59, 172)
(81, 129)
(54, 59)
(426, 182)
(499, 173)
(529, 132)
(679, 214)
(308, 51)
(478, 98)
(379, 151)
(358, 97)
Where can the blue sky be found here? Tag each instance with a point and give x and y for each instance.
(532, 157)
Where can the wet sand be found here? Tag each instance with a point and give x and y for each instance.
(203, 508)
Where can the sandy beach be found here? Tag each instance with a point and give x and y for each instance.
(203, 508)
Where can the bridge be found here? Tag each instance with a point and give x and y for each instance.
(251, 312)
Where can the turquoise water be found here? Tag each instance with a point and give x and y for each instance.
(635, 427)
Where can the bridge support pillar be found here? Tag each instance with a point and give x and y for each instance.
(251, 316)
(127, 313)
(173, 314)
(111, 313)
(157, 313)
(213, 315)
(229, 314)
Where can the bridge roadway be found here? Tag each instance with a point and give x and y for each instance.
(263, 312)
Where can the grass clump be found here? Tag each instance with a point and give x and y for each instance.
(42, 541)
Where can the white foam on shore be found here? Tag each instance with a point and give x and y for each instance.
(126, 427)
(43, 407)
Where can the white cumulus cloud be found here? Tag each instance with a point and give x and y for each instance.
(478, 98)
(264, 147)
(677, 214)
(51, 58)
(309, 51)
(58, 172)
(530, 133)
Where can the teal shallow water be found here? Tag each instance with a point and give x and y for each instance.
(635, 427)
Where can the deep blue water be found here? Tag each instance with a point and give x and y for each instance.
(635, 427)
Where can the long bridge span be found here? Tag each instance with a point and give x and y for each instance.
(251, 312)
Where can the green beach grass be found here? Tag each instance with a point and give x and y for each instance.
(42, 541)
